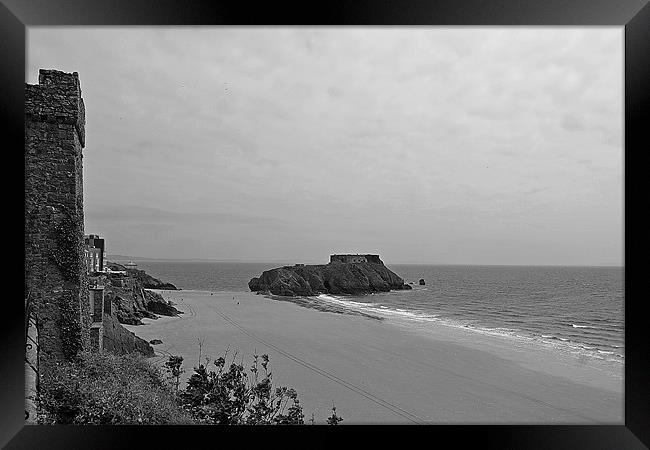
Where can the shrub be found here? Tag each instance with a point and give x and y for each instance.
(106, 389)
(109, 389)
(173, 366)
(334, 419)
(230, 397)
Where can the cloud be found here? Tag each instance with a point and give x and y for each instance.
(135, 214)
(299, 132)
(572, 123)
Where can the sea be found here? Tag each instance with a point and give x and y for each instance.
(576, 309)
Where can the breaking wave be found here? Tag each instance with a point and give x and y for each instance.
(423, 317)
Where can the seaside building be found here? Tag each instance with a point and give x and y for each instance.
(97, 306)
(131, 265)
(110, 271)
(94, 253)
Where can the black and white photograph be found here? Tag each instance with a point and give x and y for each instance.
(266, 225)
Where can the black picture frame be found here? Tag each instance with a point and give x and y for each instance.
(633, 15)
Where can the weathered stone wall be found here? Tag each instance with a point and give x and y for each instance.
(355, 258)
(374, 259)
(31, 371)
(96, 335)
(54, 258)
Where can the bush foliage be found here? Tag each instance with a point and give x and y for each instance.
(229, 396)
(104, 389)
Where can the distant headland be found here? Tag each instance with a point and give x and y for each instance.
(344, 274)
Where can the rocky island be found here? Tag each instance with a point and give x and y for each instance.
(344, 274)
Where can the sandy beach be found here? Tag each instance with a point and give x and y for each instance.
(388, 371)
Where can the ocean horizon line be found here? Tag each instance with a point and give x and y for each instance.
(291, 262)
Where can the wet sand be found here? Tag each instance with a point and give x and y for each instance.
(389, 371)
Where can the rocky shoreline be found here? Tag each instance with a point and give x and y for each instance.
(146, 280)
(337, 278)
(128, 289)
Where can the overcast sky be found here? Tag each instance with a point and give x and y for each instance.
(441, 145)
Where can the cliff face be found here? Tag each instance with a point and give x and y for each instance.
(333, 278)
(120, 341)
(131, 298)
(149, 282)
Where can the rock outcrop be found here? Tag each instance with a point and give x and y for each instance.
(333, 278)
(120, 341)
(146, 280)
(131, 298)
(155, 303)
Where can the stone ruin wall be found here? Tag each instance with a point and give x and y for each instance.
(355, 258)
(55, 270)
(55, 278)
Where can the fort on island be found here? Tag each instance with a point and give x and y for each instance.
(344, 274)
(348, 258)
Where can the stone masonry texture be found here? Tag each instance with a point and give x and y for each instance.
(55, 272)
(55, 278)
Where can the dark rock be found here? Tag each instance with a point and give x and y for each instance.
(422, 283)
(155, 341)
(333, 278)
(119, 340)
(131, 299)
(128, 304)
(155, 303)
(149, 282)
